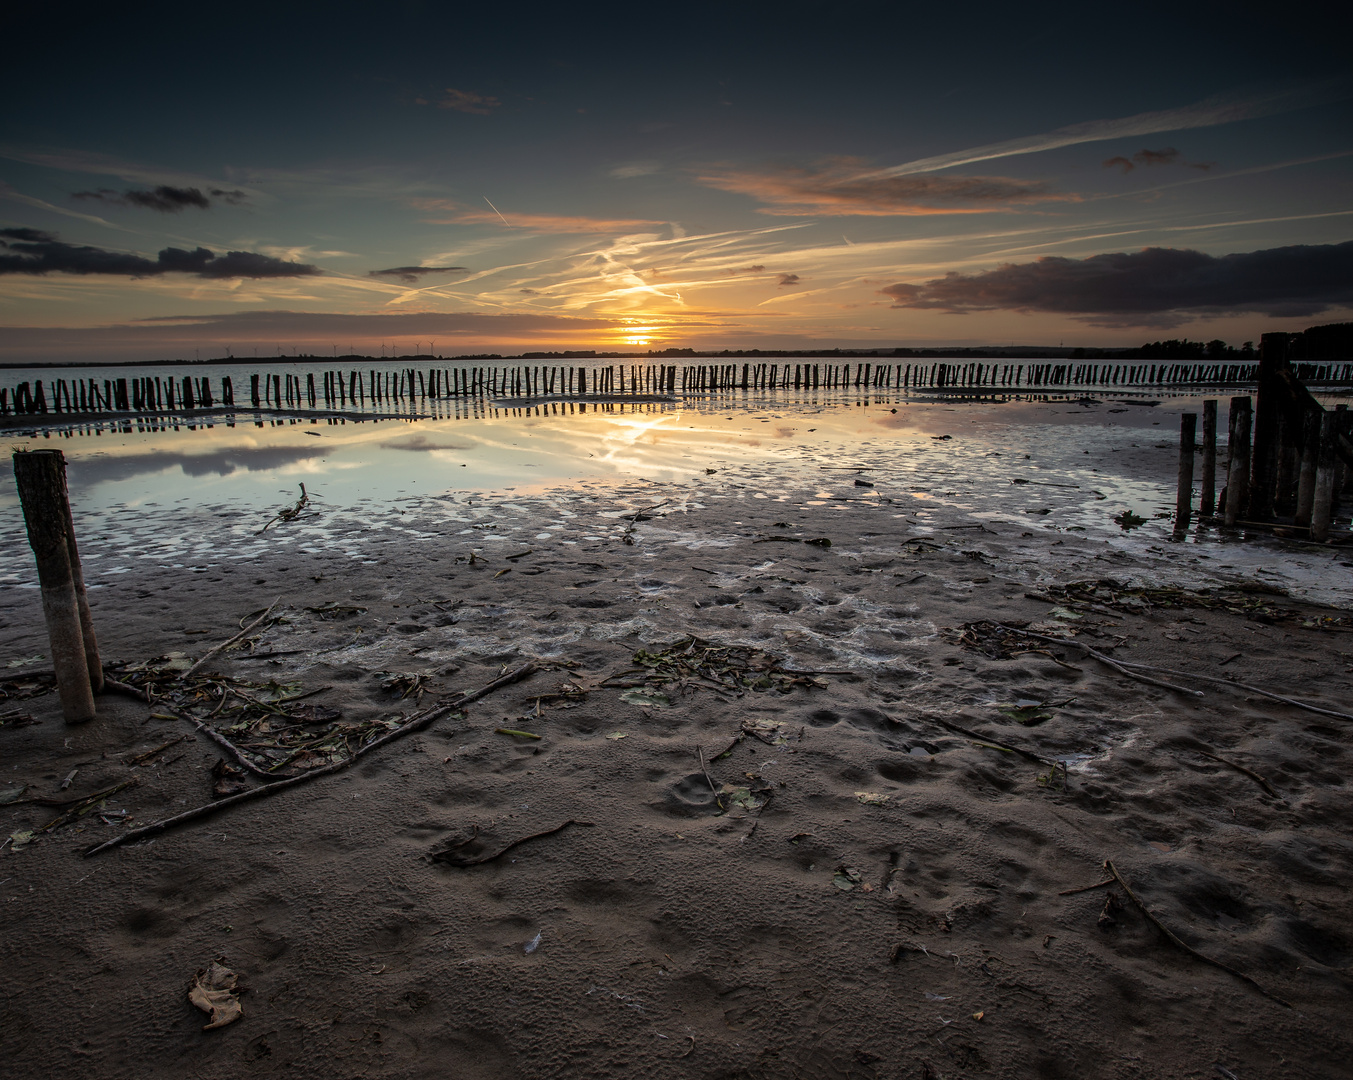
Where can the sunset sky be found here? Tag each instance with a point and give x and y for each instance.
(796, 175)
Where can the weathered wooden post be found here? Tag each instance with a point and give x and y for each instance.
(1310, 455)
(1238, 468)
(1183, 503)
(1208, 504)
(1270, 408)
(40, 476)
(1323, 503)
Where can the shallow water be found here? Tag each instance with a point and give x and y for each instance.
(189, 497)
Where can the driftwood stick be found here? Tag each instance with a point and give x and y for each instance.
(717, 801)
(125, 689)
(1106, 660)
(226, 644)
(416, 723)
(1243, 686)
(992, 742)
(478, 860)
(1087, 888)
(1248, 772)
(1174, 940)
(233, 750)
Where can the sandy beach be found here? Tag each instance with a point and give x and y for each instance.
(828, 813)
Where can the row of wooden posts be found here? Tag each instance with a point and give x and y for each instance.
(1289, 456)
(354, 388)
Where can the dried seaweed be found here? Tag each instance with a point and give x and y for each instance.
(730, 669)
(264, 723)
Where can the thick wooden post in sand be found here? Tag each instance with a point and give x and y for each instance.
(40, 476)
(1238, 469)
(1183, 503)
(1310, 455)
(1323, 503)
(1208, 497)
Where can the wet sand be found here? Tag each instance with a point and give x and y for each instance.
(892, 910)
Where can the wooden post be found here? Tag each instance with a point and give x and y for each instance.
(1238, 468)
(1208, 504)
(1183, 503)
(1310, 455)
(1269, 410)
(1322, 508)
(40, 476)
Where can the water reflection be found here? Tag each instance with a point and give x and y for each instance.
(1051, 468)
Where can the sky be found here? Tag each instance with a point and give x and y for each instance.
(412, 176)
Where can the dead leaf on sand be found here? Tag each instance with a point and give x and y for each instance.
(872, 798)
(214, 991)
(645, 698)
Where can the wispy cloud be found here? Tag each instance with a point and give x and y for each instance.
(465, 101)
(7, 192)
(1152, 287)
(844, 188)
(449, 212)
(635, 168)
(35, 252)
(1211, 111)
(131, 172)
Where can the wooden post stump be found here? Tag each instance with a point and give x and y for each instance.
(1323, 503)
(1310, 454)
(1183, 503)
(40, 476)
(1208, 497)
(1238, 469)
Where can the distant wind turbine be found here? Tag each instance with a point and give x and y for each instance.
(497, 211)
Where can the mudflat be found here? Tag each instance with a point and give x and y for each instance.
(831, 808)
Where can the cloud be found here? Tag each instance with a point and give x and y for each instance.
(452, 213)
(1166, 156)
(411, 274)
(788, 279)
(1151, 287)
(756, 268)
(33, 251)
(1211, 111)
(842, 188)
(467, 102)
(637, 168)
(165, 198)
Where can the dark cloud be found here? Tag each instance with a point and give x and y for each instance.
(1165, 156)
(1152, 287)
(411, 274)
(845, 187)
(789, 279)
(31, 251)
(756, 268)
(165, 199)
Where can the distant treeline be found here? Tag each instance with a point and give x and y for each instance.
(1332, 342)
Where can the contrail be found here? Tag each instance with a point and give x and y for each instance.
(1219, 109)
(497, 211)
